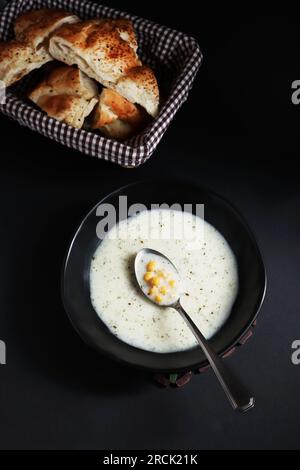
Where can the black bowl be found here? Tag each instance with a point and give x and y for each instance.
(218, 212)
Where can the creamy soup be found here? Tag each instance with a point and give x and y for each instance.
(206, 266)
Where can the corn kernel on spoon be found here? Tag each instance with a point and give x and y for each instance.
(160, 282)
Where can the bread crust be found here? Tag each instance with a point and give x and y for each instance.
(140, 86)
(103, 49)
(67, 80)
(70, 109)
(17, 59)
(106, 51)
(116, 117)
(35, 26)
(29, 50)
(67, 95)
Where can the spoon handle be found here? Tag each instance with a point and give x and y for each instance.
(239, 398)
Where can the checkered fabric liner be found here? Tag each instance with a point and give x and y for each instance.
(174, 57)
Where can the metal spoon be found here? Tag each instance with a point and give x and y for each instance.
(239, 398)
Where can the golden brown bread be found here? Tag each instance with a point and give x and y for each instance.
(140, 86)
(34, 27)
(30, 48)
(116, 117)
(18, 59)
(67, 95)
(106, 51)
(65, 80)
(103, 49)
(70, 109)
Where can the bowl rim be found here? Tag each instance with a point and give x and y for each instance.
(148, 368)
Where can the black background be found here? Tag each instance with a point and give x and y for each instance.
(237, 134)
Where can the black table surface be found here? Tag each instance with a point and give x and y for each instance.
(237, 135)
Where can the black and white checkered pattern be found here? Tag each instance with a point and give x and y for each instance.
(174, 56)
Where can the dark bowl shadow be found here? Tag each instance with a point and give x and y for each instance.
(48, 344)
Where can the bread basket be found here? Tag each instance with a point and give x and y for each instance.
(174, 56)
